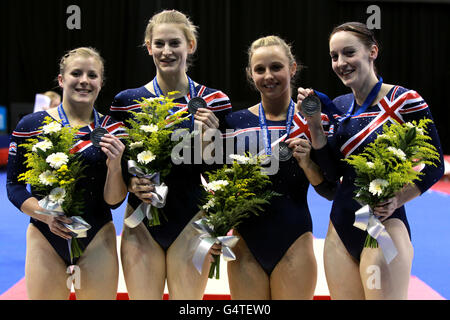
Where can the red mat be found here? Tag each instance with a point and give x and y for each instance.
(418, 290)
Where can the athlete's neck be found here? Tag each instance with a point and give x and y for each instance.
(79, 114)
(276, 109)
(175, 82)
(362, 91)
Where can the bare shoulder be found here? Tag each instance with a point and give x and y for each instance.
(385, 88)
(254, 109)
(53, 112)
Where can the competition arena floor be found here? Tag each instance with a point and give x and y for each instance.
(428, 216)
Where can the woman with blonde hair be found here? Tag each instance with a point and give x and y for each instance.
(150, 255)
(48, 256)
(275, 257)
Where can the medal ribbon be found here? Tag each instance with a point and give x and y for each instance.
(329, 108)
(369, 99)
(65, 120)
(265, 129)
(159, 92)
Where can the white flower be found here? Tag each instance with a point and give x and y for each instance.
(398, 153)
(57, 195)
(42, 145)
(137, 144)
(56, 160)
(209, 204)
(145, 157)
(216, 185)
(371, 165)
(376, 186)
(410, 126)
(240, 159)
(47, 178)
(51, 127)
(149, 128)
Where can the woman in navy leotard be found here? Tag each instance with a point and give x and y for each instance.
(350, 268)
(150, 255)
(275, 257)
(47, 257)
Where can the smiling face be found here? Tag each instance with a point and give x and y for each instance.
(82, 80)
(169, 48)
(271, 72)
(351, 60)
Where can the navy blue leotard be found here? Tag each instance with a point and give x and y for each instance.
(350, 137)
(183, 181)
(96, 211)
(269, 235)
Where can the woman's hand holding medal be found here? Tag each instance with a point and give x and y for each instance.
(309, 105)
(301, 149)
(207, 119)
(198, 107)
(113, 148)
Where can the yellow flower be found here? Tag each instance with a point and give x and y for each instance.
(63, 168)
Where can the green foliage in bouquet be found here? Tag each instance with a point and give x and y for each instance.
(233, 194)
(387, 164)
(53, 169)
(149, 135)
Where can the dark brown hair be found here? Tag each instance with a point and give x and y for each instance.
(360, 30)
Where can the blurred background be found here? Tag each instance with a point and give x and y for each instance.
(415, 47)
(414, 37)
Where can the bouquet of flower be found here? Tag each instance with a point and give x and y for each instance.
(233, 194)
(149, 148)
(387, 164)
(54, 172)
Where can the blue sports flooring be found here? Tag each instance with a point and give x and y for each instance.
(428, 215)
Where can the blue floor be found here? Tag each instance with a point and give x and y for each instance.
(429, 220)
(429, 217)
(13, 226)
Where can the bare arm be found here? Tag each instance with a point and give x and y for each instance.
(115, 189)
(301, 151)
(31, 205)
(385, 209)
